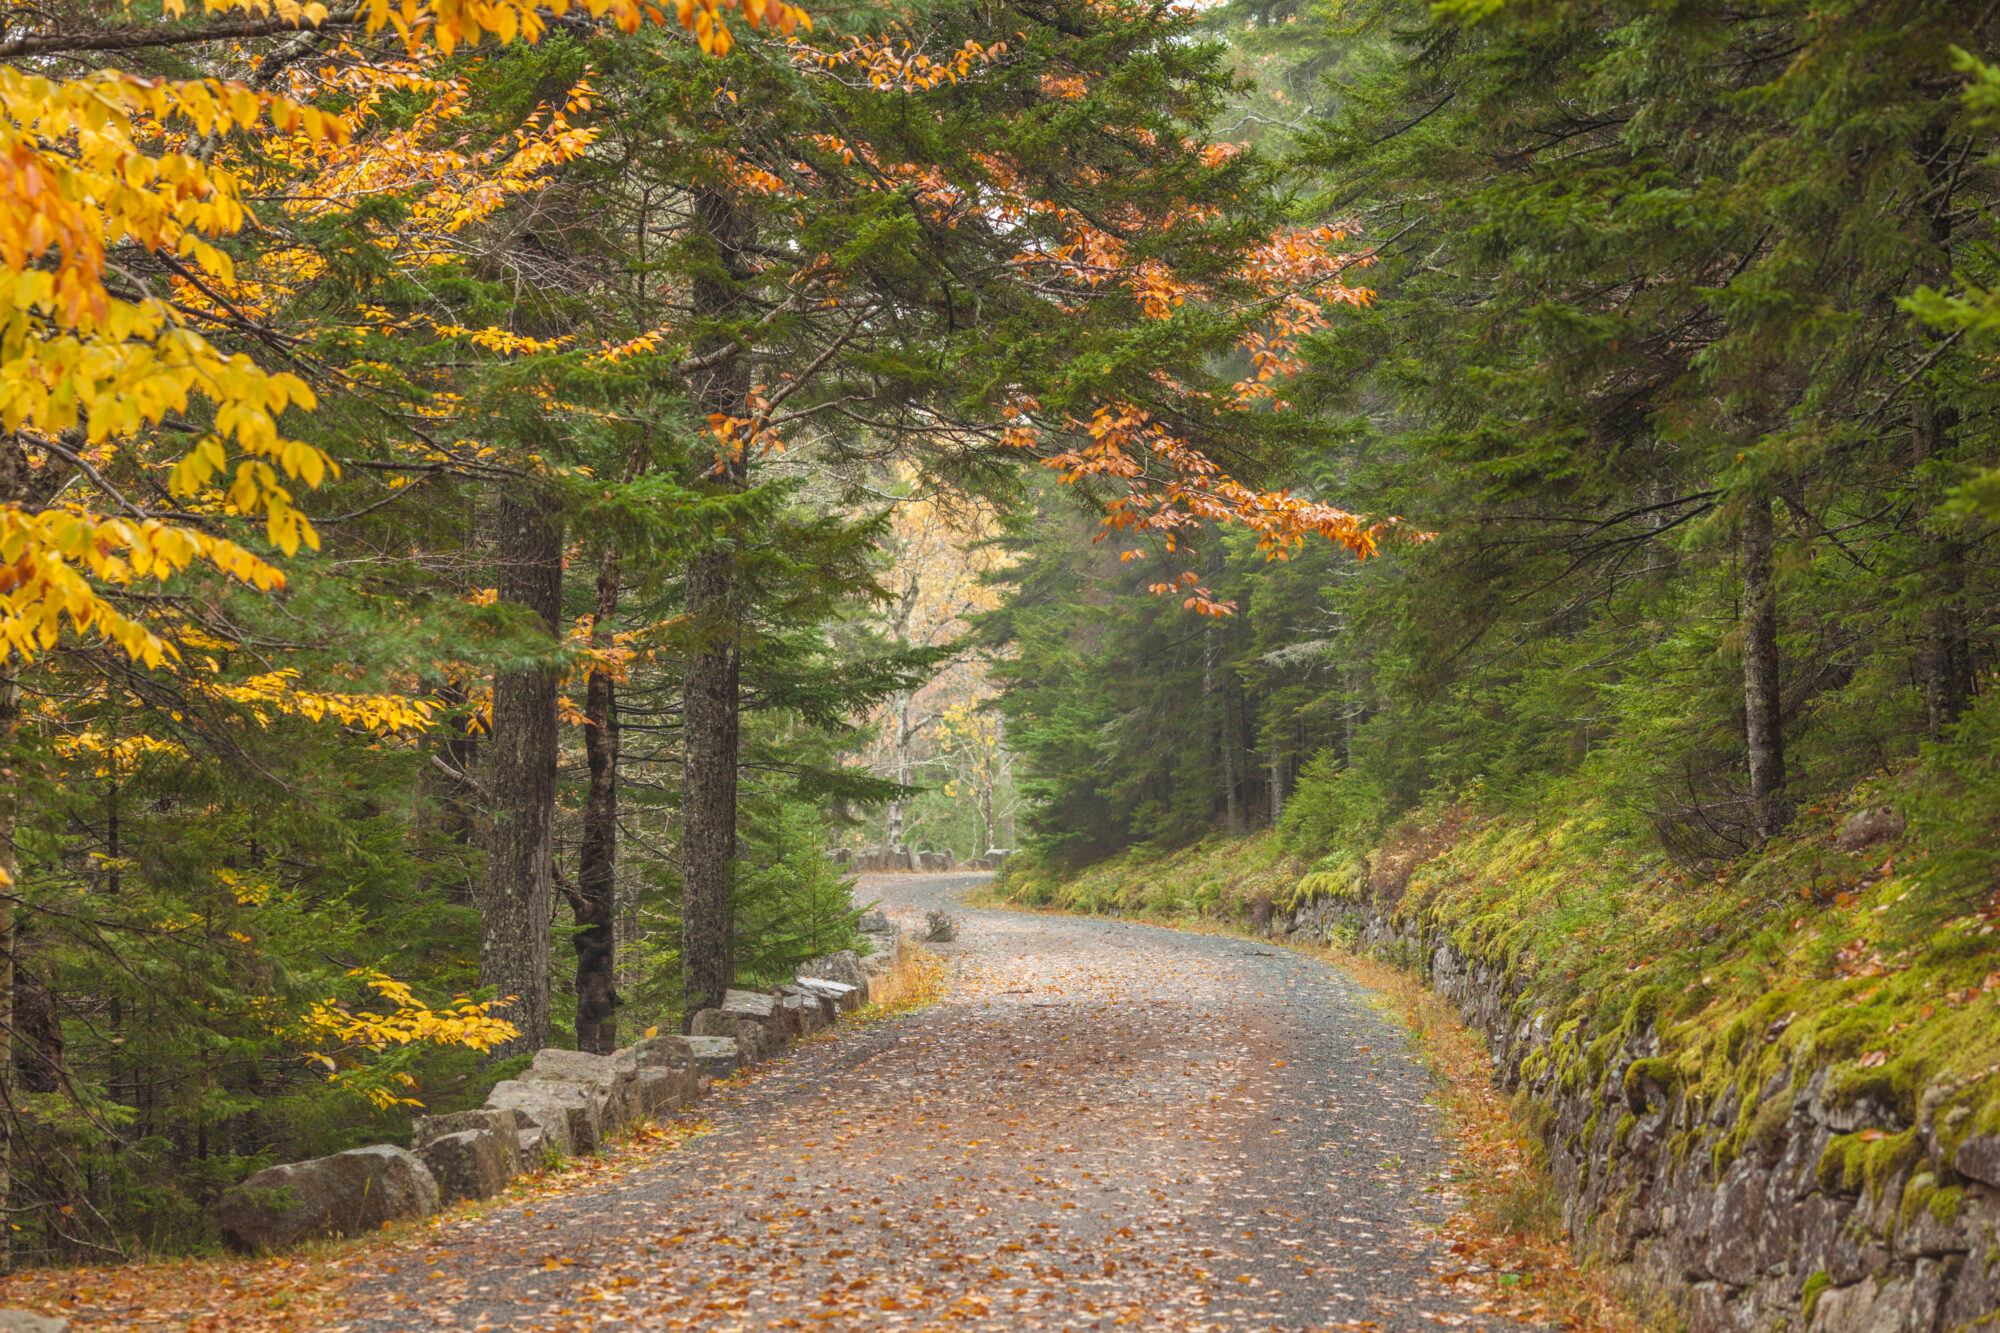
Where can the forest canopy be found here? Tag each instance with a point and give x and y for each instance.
(1681, 355)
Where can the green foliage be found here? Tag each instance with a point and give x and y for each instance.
(1335, 808)
(792, 902)
(1633, 272)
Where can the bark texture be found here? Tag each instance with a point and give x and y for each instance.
(17, 486)
(711, 712)
(1944, 654)
(595, 901)
(1763, 731)
(38, 1050)
(711, 700)
(516, 893)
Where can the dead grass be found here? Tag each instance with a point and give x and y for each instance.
(1509, 1235)
(917, 979)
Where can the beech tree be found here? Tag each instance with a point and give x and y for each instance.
(166, 342)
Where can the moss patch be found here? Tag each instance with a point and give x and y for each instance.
(1809, 1295)
(1867, 1160)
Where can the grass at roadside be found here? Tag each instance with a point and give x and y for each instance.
(1510, 1235)
(917, 979)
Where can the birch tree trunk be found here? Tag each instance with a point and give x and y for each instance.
(898, 808)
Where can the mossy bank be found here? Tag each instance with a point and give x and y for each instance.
(1769, 1091)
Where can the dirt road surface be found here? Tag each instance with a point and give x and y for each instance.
(1104, 1125)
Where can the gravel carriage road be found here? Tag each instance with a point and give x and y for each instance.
(1104, 1124)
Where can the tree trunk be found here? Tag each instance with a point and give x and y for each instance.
(16, 487)
(10, 814)
(1762, 730)
(516, 896)
(1944, 657)
(1232, 800)
(898, 808)
(453, 812)
(1945, 661)
(1277, 786)
(38, 1052)
(711, 704)
(1350, 705)
(596, 899)
(710, 710)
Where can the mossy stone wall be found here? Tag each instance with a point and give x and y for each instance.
(1782, 1196)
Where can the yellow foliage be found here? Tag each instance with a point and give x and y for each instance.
(274, 693)
(118, 755)
(48, 559)
(76, 176)
(87, 164)
(340, 1035)
(247, 892)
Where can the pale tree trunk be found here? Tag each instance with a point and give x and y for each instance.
(1763, 732)
(1277, 785)
(516, 895)
(595, 901)
(898, 807)
(899, 630)
(711, 700)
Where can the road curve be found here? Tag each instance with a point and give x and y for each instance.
(1105, 1124)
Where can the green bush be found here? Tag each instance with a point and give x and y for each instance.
(1334, 808)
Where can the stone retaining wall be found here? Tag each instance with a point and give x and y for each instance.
(1776, 1229)
(564, 1104)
